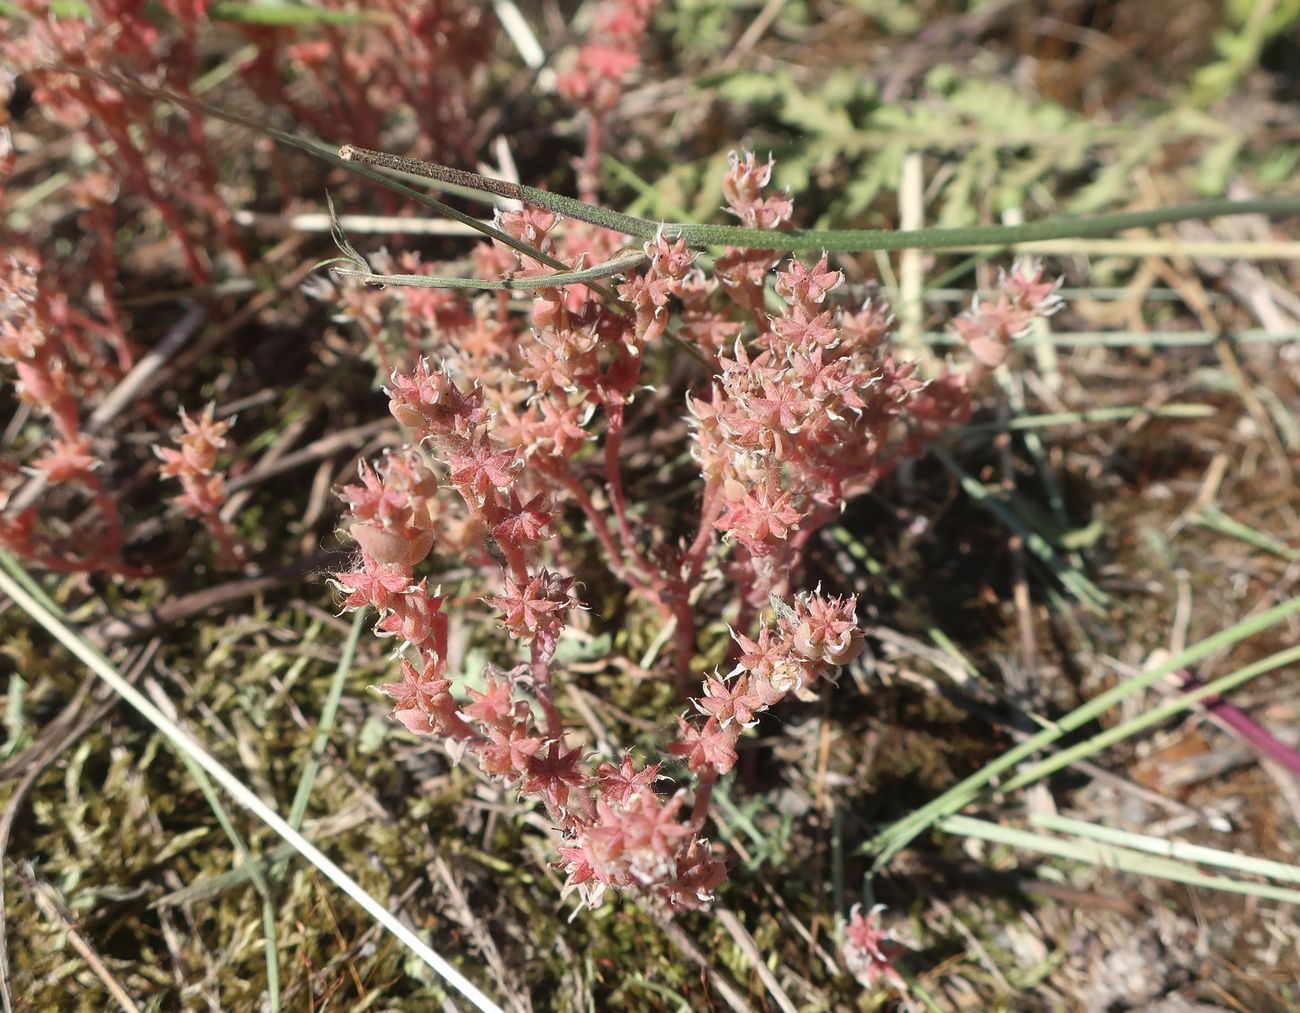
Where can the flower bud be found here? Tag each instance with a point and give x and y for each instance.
(385, 545)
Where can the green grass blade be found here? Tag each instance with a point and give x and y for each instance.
(620, 265)
(183, 742)
(489, 189)
(1155, 715)
(57, 9)
(829, 240)
(895, 837)
(1071, 579)
(290, 15)
(1213, 519)
(1177, 850)
(855, 241)
(329, 713)
(1029, 422)
(1109, 856)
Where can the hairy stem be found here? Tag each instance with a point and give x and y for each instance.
(828, 240)
(613, 555)
(541, 669)
(617, 497)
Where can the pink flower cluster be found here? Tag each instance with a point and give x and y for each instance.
(520, 433)
(595, 78)
(743, 273)
(154, 171)
(396, 513)
(800, 425)
(57, 353)
(616, 831)
(989, 329)
(807, 644)
(597, 74)
(203, 488)
(802, 409)
(869, 950)
(814, 411)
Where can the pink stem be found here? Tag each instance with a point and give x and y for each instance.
(617, 497)
(136, 168)
(710, 507)
(601, 530)
(589, 167)
(703, 796)
(220, 530)
(1246, 727)
(541, 668)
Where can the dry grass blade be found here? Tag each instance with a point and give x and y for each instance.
(237, 839)
(183, 742)
(750, 949)
(53, 909)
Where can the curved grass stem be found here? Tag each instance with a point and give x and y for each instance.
(816, 240)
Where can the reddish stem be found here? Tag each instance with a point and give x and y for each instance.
(1243, 725)
(589, 167)
(541, 667)
(710, 508)
(618, 498)
(231, 554)
(601, 531)
(684, 638)
(136, 168)
(703, 796)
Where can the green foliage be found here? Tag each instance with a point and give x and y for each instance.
(998, 148)
(1251, 24)
(897, 17)
(700, 26)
